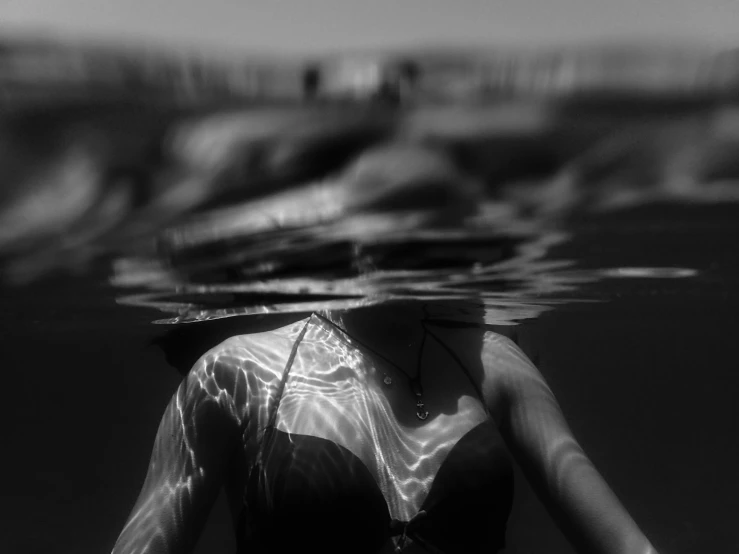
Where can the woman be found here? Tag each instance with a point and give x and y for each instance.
(380, 429)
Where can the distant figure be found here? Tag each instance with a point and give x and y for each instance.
(368, 77)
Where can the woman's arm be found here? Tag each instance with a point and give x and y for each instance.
(197, 432)
(573, 491)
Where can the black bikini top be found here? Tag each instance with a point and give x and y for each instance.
(305, 493)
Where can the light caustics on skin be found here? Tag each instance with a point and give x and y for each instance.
(570, 483)
(232, 376)
(560, 451)
(164, 497)
(334, 391)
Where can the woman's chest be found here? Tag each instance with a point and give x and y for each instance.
(373, 413)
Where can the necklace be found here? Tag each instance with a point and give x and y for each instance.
(414, 382)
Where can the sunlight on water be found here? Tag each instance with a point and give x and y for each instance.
(337, 192)
(518, 285)
(649, 272)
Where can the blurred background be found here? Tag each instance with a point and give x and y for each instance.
(178, 159)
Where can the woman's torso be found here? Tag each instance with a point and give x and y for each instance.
(334, 451)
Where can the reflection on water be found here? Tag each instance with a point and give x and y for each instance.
(215, 208)
(516, 283)
(649, 272)
(402, 221)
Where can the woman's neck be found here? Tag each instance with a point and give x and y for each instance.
(394, 331)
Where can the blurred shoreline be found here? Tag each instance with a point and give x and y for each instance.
(53, 68)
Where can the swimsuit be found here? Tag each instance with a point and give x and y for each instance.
(305, 493)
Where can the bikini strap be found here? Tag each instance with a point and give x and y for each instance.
(269, 428)
(455, 357)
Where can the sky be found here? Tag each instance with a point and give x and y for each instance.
(309, 26)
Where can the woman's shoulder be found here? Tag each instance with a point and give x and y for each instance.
(506, 368)
(263, 352)
(502, 353)
(243, 369)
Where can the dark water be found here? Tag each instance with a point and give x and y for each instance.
(607, 236)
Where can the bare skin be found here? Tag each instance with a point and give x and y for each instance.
(208, 433)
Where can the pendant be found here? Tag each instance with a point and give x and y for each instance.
(388, 380)
(421, 411)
